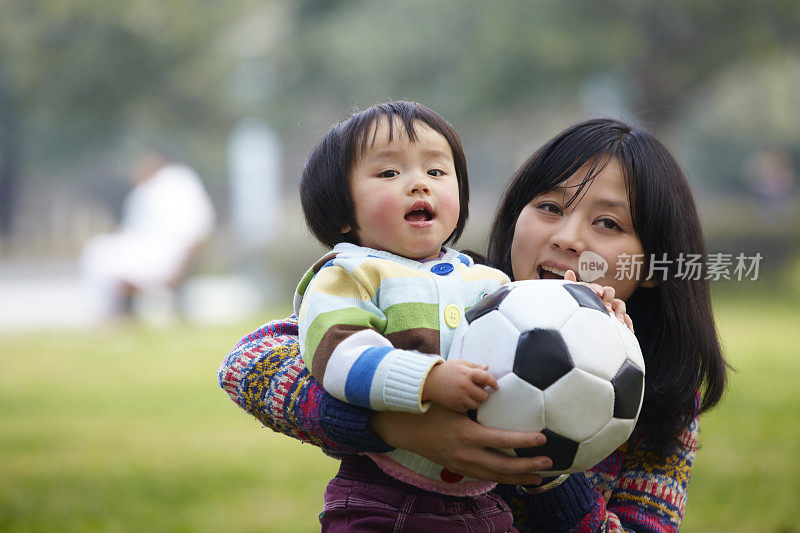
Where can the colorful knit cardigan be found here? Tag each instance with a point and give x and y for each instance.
(634, 489)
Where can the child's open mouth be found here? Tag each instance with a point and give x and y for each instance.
(418, 215)
(421, 215)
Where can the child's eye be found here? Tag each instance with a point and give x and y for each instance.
(550, 207)
(436, 172)
(609, 224)
(388, 174)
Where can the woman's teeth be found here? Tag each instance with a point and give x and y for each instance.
(548, 272)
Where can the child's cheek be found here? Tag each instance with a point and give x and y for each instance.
(383, 209)
(450, 206)
(381, 214)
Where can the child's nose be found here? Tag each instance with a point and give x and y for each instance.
(419, 185)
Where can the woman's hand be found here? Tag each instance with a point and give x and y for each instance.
(606, 293)
(461, 445)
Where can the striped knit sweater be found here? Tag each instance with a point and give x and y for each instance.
(372, 325)
(370, 321)
(634, 489)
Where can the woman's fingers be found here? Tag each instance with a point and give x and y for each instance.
(490, 464)
(489, 440)
(599, 290)
(619, 309)
(500, 468)
(621, 312)
(462, 445)
(512, 466)
(608, 294)
(629, 323)
(498, 438)
(477, 451)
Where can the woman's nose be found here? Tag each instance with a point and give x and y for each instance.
(569, 236)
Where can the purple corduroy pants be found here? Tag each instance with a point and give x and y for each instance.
(376, 502)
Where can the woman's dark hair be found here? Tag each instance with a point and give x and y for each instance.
(325, 183)
(673, 320)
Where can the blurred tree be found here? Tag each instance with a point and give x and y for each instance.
(473, 58)
(680, 46)
(8, 159)
(78, 73)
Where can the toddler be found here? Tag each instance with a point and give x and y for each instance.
(386, 189)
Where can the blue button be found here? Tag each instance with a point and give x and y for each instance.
(442, 269)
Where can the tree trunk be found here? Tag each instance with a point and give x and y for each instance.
(9, 162)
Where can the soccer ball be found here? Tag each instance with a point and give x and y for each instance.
(564, 365)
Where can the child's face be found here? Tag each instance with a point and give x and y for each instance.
(405, 193)
(549, 236)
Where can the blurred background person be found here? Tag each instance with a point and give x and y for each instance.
(771, 178)
(166, 218)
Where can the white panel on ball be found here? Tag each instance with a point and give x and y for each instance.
(488, 340)
(538, 305)
(516, 405)
(595, 449)
(578, 405)
(632, 348)
(593, 344)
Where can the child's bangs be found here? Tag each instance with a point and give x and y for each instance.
(365, 131)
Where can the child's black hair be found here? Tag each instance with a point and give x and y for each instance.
(325, 183)
(673, 320)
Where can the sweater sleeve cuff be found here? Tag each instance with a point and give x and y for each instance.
(348, 426)
(563, 507)
(402, 381)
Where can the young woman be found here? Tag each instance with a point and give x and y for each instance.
(599, 186)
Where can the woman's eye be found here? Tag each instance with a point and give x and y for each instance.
(550, 208)
(388, 174)
(608, 224)
(436, 172)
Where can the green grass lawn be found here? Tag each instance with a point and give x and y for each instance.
(125, 429)
(747, 472)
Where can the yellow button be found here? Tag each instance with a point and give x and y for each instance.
(452, 315)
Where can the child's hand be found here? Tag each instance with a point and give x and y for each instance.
(614, 305)
(458, 385)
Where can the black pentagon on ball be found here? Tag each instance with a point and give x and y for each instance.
(487, 304)
(585, 297)
(628, 384)
(542, 357)
(560, 450)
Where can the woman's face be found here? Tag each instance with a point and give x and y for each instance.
(593, 232)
